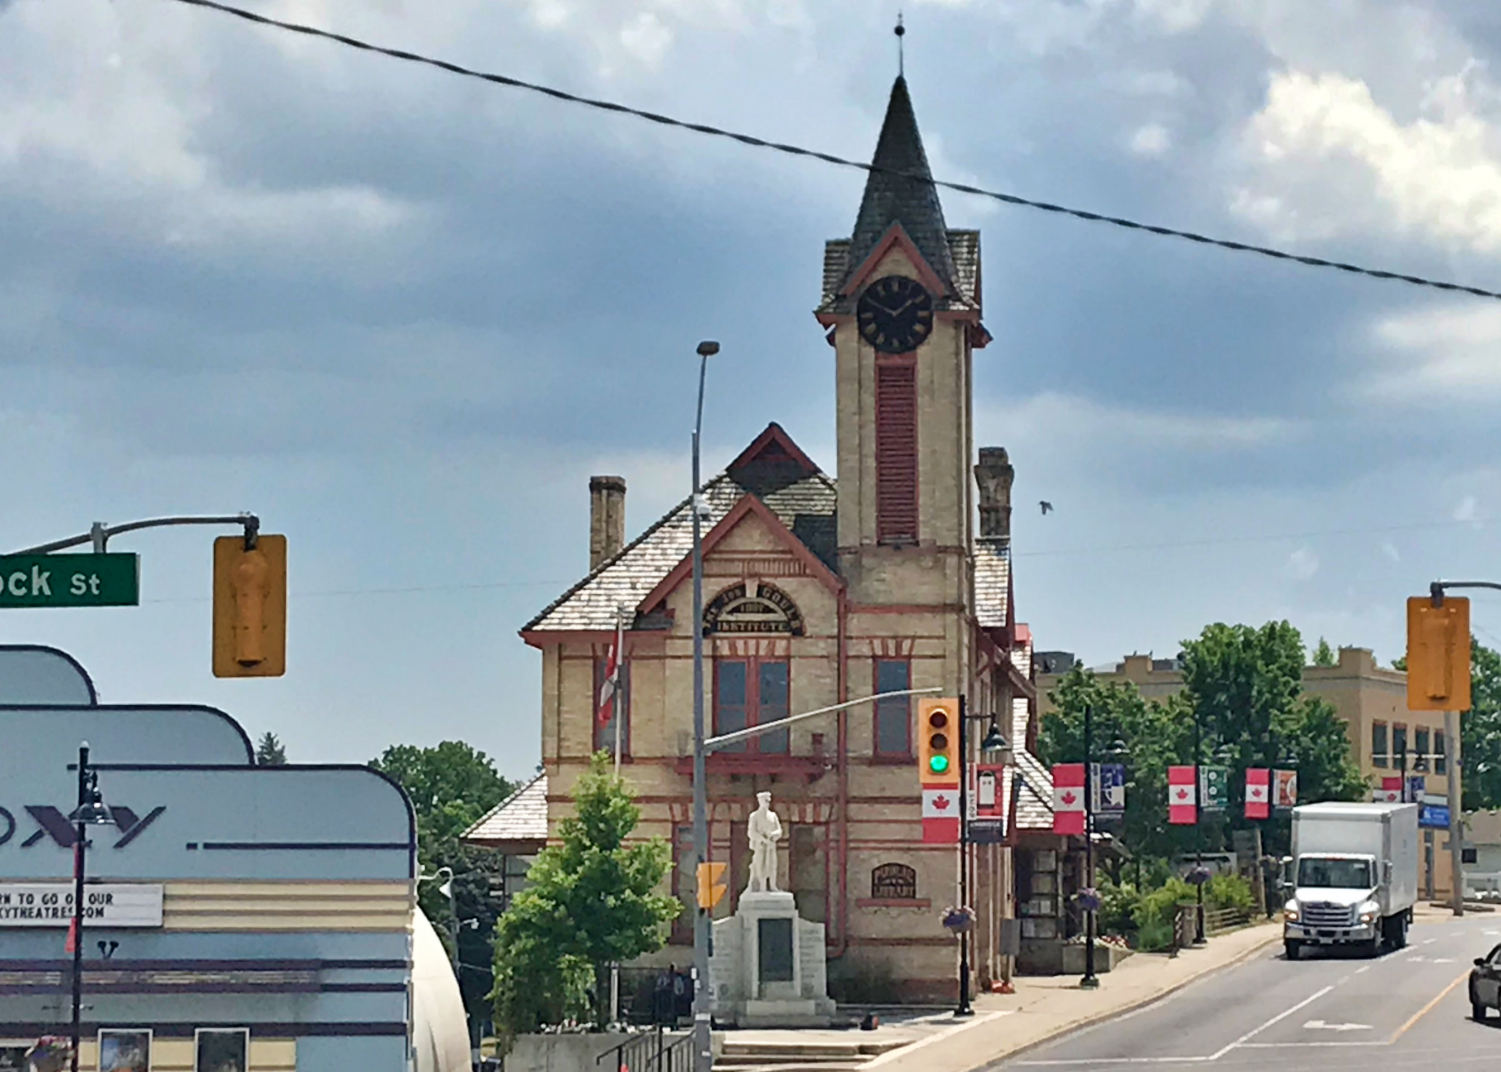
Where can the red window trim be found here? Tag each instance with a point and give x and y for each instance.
(877, 753)
(753, 664)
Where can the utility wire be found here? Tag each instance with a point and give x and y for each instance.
(830, 158)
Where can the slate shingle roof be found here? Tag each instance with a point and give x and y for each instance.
(966, 249)
(805, 506)
(520, 817)
(992, 581)
(1034, 805)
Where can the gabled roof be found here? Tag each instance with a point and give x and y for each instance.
(900, 190)
(518, 821)
(805, 504)
(966, 250)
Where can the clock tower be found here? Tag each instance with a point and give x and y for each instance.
(901, 304)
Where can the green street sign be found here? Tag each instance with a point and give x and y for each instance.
(107, 580)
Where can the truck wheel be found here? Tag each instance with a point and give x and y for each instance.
(1477, 1010)
(1400, 927)
(1292, 948)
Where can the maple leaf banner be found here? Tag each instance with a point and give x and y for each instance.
(940, 816)
(1182, 796)
(1390, 791)
(1258, 793)
(1068, 799)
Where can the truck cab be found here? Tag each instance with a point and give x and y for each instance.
(1354, 877)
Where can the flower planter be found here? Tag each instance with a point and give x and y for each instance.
(1106, 957)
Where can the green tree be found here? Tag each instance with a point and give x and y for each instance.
(1146, 737)
(592, 900)
(1480, 731)
(269, 751)
(1323, 655)
(1245, 686)
(452, 786)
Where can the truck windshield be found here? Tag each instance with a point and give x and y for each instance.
(1334, 874)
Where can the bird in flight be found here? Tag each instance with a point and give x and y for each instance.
(1047, 507)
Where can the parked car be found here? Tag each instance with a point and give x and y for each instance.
(1485, 984)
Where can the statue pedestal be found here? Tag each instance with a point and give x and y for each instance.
(769, 967)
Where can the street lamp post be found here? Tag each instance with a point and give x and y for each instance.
(964, 1008)
(1090, 980)
(1198, 830)
(91, 811)
(703, 1054)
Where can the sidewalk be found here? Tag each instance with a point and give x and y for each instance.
(1046, 1007)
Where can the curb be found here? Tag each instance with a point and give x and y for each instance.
(1129, 1007)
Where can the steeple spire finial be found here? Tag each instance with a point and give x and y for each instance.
(901, 58)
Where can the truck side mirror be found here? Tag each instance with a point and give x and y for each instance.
(1479, 962)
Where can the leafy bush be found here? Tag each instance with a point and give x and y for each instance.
(1117, 905)
(1154, 936)
(1160, 906)
(1229, 891)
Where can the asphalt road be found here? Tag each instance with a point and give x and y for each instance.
(1322, 1013)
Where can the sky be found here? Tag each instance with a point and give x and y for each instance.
(404, 316)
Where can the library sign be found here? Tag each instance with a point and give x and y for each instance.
(50, 904)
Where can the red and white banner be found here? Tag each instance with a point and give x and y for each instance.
(1182, 796)
(1285, 788)
(1258, 793)
(940, 815)
(1068, 798)
(1390, 791)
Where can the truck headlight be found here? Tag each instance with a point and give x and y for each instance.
(1369, 911)
(1290, 911)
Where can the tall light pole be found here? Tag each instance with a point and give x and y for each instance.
(91, 810)
(703, 1043)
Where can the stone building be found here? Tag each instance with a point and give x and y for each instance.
(1371, 700)
(817, 592)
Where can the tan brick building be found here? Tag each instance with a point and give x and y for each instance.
(817, 592)
(1370, 699)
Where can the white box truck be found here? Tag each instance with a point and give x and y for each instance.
(1354, 876)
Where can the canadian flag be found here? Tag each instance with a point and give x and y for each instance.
(1068, 798)
(1390, 791)
(940, 815)
(1182, 796)
(1258, 792)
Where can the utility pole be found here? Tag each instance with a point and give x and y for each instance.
(703, 1041)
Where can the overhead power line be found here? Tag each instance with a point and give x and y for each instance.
(830, 158)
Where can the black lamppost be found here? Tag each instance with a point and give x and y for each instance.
(91, 811)
(1198, 877)
(993, 741)
(1089, 900)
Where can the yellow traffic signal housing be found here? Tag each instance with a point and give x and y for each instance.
(250, 607)
(1438, 654)
(711, 884)
(938, 742)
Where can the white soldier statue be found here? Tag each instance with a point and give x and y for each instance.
(764, 830)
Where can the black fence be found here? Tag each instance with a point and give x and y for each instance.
(655, 1051)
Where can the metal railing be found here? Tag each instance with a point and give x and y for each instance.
(655, 1051)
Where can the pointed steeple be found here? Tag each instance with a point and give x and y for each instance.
(892, 197)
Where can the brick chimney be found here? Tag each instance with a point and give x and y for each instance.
(606, 519)
(994, 475)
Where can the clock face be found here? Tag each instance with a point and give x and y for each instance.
(895, 314)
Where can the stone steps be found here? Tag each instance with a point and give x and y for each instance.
(802, 1055)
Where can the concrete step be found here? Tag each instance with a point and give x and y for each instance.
(748, 1062)
(830, 1049)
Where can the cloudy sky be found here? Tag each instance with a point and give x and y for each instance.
(404, 316)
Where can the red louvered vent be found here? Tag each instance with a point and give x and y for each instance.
(896, 453)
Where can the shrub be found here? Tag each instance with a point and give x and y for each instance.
(1229, 891)
(1154, 936)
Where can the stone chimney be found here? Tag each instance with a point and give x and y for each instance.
(606, 519)
(994, 475)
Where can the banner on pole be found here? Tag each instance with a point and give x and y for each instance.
(1068, 798)
(1182, 796)
(940, 815)
(1285, 789)
(1258, 793)
(1390, 790)
(1107, 790)
(1214, 788)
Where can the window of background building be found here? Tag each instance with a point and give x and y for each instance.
(1420, 749)
(893, 728)
(751, 692)
(1441, 753)
(1469, 856)
(1399, 746)
(1378, 744)
(604, 735)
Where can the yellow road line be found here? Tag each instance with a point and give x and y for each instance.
(1426, 1009)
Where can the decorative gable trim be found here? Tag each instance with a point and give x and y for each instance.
(773, 444)
(748, 504)
(895, 238)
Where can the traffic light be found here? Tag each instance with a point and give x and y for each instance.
(938, 742)
(250, 607)
(1438, 654)
(711, 884)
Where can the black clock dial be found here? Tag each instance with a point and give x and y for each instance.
(895, 314)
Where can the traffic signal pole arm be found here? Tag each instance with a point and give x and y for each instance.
(1437, 588)
(711, 743)
(99, 534)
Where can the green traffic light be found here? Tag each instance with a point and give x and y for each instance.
(938, 764)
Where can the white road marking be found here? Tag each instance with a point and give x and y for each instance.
(1322, 1025)
(1360, 971)
(1416, 960)
(1306, 1045)
(1249, 1035)
(1443, 960)
(1488, 934)
(1110, 1061)
(1430, 941)
(937, 1036)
